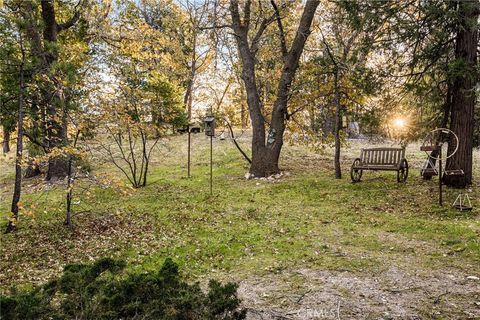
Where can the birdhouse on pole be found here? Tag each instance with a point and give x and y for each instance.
(209, 125)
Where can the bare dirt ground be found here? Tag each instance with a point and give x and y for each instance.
(393, 293)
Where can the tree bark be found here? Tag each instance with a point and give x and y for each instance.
(45, 52)
(463, 95)
(338, 127)
(68, 214)
(70, 181)
(17, 189)
(6, 140)
(56, 128)
(243, 115)
(253, 97)
(266, 150)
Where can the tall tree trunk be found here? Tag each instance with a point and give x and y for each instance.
(54, 100)
(463, 95)
(338, 127)
(17, 189)
(145, 157)
(266, 152)
(260, 164)
(38, 125)
(6, 140)
(253, 97)
(46, 54)
(68, 214)
(70, 181)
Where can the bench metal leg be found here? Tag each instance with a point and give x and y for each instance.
(356, 174)
(402, 173)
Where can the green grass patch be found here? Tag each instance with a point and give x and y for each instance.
(307, 219)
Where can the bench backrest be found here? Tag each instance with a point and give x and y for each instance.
(382, 156)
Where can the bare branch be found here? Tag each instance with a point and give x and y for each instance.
(222, 26)
(281, 33)
(74, 19)
(235, 141)
(263, 26)
(329, 51)
(247, 10)
(35, 141)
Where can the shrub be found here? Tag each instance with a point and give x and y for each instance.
(104, 290)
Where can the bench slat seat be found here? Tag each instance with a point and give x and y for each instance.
(378, 167)
(382, 159)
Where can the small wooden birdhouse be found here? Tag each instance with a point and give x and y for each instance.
(209, 126)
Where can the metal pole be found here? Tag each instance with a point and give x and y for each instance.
(211, 165)
(440, 184)
(188, 152)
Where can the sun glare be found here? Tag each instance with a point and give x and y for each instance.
(399, 123)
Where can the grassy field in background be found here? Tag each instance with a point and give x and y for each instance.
(306, 219)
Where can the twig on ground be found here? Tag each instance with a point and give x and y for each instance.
(403, 290)
(437, 299)
(303, 295)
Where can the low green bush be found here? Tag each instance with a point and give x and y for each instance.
(104, 290)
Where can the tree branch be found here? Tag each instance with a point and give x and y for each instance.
(235, 141)
(36, 142)
(281, 32)
(215, 27)
(73, 20)
(236, 21)
(263, 26)
(329, 52)
(247, 10)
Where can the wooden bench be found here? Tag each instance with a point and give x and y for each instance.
(381, 159)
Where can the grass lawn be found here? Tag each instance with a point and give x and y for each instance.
(303, 246)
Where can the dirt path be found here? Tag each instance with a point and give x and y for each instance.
(391, 294)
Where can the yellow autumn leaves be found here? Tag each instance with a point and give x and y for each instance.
(28, 211)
